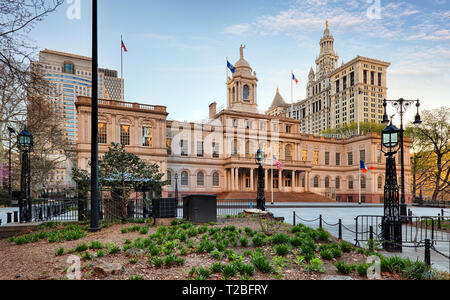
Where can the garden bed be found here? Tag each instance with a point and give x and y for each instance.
(236, 248)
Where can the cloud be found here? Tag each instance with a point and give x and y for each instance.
(237, 29)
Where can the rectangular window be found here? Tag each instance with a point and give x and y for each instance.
(316, 157)
(379, 156)
(125, 135)
(199, 149)
(215, 147)
(102, 135)
(365, 76)
(352, 79)
(169, 145)
(362, 155)
(350, 158)
(379, 79)
(147, 136)
(372, 78)
(184, 148)
(304, 155)
(337, 86)
(338, 159)
(327, 158)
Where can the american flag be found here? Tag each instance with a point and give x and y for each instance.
(278, 163)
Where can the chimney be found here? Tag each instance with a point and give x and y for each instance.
(212, 110)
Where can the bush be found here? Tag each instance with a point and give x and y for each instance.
(136, 277)
(216, 268)
(217, 255)
(95, 245)
(281, 249)
(114, 249)
(416, 271)
(246, 269)
(344, 268)
(81, 248)
(243, 241)
(326, 254)
(59, 252)
(143, 230)
(322, 235)
(100, 253)
(133, 260)
(258, 240)
(394, 264)
(362, 269)
(199, 273)
(86, 256)
(280, 238)
(157, 262)
(262, 263)
(229, 271)
(170, 260)
(345, 246)
(315, 265)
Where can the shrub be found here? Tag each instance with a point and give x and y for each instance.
(87, 256)
(157, 262)
(362, 269)
(199, 273)
(170, 260)
(192, 232)
(322, 235)
(133, 260)
(246, 269)
(262, 263)
(202, 229)
(95, 245)
(143, 230)
(59, 252)
(296, 241)
(136, 277)
(326, 254)
(298, 228)
(243, 241)
(81, 248)
(280, 238)
(258, 240)
(216, 268)
(217, 255)
(345, 246)
(179, 261)
(114, 249)
(315, 265)
(344, 268)
(248, 231)
(336, 252)
(394, 264)
(229, 271)
(281, 249)
(100, 253)
(124, 230)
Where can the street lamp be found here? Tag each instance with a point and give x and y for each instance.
(25, 143)
(392, 225)
(11, 131)
(402, 106)
(261, 198)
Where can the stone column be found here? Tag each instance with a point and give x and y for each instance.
(237, 180)
(232, 179)
(266, 180)
(293, 180)
(252, 182)
(307, 183)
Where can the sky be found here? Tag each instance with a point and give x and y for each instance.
(177, 50)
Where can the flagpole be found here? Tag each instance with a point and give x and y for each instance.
(292, 94)
(121, 56)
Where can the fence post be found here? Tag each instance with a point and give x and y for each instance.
(432, 230)
(356, 232)
(293, 218)
(439, 221)
(427, 252)
(320, 222)
(340, 229)
(371, 241)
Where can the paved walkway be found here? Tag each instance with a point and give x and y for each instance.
(332, 214)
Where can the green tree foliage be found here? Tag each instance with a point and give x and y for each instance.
(123, 172)
(349, 130)
(431, 143)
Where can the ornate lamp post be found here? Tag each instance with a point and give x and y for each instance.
(25, 144)
(261, 199)
(11, 131)
(402, 106)
(392, 225)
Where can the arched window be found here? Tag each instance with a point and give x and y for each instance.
(246, 92)
(288, 152)
(363, 182)
(169, 178)
(327, 182)
(216, 179)
(184, 178)
(316, 181)
(338, 183)
(200, 179)
(350, 183)
(380, 182)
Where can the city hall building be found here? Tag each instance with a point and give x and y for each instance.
(217, 156)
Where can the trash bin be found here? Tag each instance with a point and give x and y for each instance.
(200, 208)
(164, 208)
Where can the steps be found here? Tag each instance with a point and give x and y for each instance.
(278, 197)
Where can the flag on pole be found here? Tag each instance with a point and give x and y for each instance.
(124, 47)
(364, 169)
(278, 163)
(231, 67)
(294, 78)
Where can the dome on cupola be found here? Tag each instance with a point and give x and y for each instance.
(242, 63)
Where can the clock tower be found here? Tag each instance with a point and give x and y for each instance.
(242, 87)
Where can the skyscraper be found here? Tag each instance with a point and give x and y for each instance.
(70, 76)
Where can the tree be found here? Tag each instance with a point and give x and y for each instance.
(123, 173)
(349, 130)
(432, 144)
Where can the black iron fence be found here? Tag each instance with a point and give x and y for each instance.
(112, 208)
